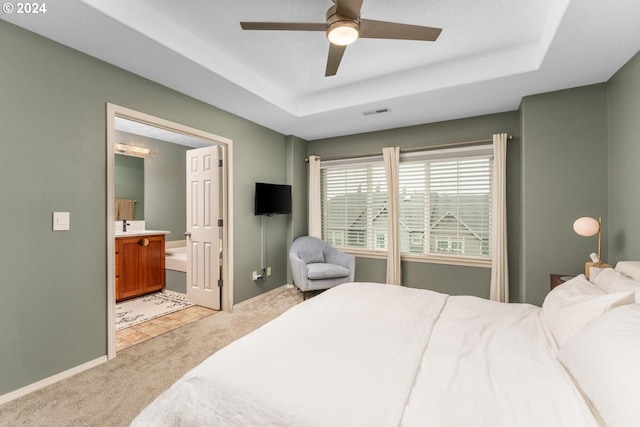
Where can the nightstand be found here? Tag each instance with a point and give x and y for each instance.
(589, 265)
(558, 279)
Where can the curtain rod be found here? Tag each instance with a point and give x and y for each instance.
(409, 150)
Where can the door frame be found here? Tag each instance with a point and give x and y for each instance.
(114, 111)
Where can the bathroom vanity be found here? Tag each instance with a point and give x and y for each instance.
(140, 262)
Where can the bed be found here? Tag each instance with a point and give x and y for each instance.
(367, 354)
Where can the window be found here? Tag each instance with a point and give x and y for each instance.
(446, 197)
(450, 246)
(456, 246)
(445, 202)
(381, 240)
(353, 204)
(415, 239)
(442, 245)
(336, 238)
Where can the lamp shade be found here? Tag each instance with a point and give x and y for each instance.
(586, 226)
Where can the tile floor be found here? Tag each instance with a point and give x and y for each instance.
(158, 326)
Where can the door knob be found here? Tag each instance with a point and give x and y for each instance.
(143, 242)
(187, 234)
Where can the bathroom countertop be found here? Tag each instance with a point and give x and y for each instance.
(134, 233)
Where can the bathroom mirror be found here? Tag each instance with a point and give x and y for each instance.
(129, 187)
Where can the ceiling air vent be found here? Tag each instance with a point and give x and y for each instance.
(372, 112)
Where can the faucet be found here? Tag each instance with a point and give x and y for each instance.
(124, 225)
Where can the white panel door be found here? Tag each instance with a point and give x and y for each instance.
(203, 254)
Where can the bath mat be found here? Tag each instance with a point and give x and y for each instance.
(141, 309)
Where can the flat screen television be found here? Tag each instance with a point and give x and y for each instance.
(272, 199)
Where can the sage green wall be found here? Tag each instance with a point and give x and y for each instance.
(556, 172)
(297, 177)
(622, 225)
(450, 279)
(129, 182)
(161, 202)
(264, 163)
(53, 139)
(564, 164)
(165, 188)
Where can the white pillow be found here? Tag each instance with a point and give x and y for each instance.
(604, 278)
(570, 307)
(629, 268)
(611, 281)
(604, 360)
(593, 273)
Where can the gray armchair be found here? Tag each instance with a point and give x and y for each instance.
(316, 265)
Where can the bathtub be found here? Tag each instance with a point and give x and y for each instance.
(176, 258)
(175, 267)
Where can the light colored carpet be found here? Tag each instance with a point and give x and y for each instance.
(113, 393)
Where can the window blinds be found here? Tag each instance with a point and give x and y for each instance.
(353, 205)
(445, 206)
(445, 203)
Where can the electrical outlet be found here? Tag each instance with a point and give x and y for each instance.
(268, 271)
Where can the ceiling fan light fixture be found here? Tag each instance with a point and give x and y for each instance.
(343, 33)
(342, 28)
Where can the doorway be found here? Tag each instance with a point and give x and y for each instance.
(158, 126)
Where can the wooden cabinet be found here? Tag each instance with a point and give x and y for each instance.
(139, 265)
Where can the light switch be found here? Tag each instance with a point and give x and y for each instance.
(60, 221)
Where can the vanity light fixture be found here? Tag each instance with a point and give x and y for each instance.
(131, 150)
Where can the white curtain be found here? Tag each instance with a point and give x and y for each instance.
(391, 157)
(315, 222)
(499, 268)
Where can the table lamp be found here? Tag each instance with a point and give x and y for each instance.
(587, 227)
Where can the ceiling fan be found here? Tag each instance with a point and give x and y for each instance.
(344, 26)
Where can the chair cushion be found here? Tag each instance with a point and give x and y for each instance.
(310, 257)
(318, 271)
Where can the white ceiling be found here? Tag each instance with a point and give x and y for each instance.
(490, 54)
(149, 131)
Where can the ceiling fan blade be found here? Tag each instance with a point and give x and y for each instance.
(349, 8)
(370, 29)
(284, 26)
(335, 56)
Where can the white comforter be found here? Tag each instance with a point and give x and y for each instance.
(491, 364)
(366, 354)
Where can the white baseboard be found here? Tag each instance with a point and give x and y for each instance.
(259, 297)
(51, 380)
